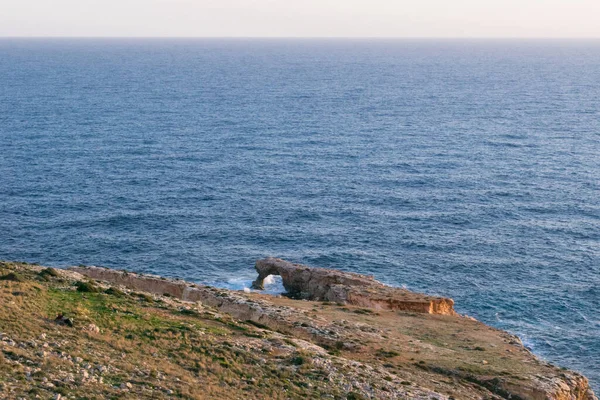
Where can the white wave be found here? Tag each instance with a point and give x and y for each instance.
(272, 283)
(269, 280)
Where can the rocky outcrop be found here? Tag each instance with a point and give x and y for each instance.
(336, 286)
(432, 356)
(278, 318)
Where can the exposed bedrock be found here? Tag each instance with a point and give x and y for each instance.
(453, 352)
(323, 284)
(238, 305)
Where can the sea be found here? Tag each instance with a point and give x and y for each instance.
(460, 168)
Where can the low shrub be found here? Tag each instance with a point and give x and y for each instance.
(114, 292)
(11, 276)
(86, 287)
(48, 273)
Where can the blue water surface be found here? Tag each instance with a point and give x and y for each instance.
(468, 169)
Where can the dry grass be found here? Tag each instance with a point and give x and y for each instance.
(162, 351)
(127, 345)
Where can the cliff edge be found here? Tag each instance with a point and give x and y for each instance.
(100, 333)
(321, 284)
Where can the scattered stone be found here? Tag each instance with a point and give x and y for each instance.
(296, 322)
(93, 328)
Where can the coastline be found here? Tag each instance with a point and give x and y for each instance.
(375, 349)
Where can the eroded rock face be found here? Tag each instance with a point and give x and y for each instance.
(336, 286)
(236, 304)
(409, 355)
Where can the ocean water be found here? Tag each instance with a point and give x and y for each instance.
(468, 169)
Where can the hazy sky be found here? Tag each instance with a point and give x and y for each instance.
(373, 18)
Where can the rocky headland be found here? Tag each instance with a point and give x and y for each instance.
(90, 332)
(321, 284)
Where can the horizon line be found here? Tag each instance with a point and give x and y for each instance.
(316, 37)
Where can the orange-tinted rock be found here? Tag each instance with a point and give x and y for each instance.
(419, 355)
(336, 286)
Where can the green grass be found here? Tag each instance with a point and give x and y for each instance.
(165, 344)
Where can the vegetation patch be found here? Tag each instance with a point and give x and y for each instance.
(257, 324)
(144, 296)
(113, 291)
(48, 273)
(86, 287)
(12, 276)
(298, 360)
(363, 311)
(189, 311)
(386, 353)
(107, 344)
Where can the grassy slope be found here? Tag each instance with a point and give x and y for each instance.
(133, 345)
(163, 350)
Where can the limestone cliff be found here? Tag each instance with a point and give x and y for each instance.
(336, 286)
(102, 333)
